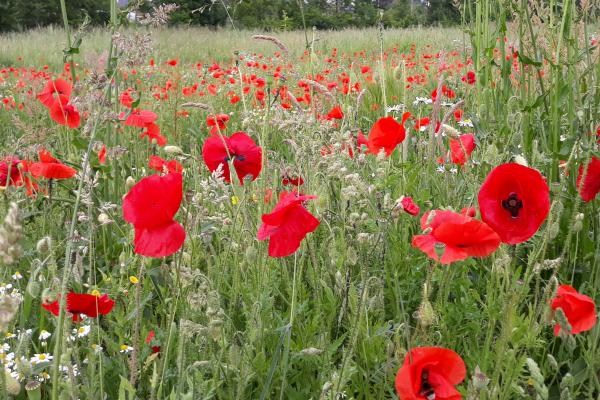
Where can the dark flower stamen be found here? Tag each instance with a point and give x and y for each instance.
(426, 388)
(512, 204)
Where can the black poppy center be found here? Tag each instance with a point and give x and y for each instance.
(512, 204)
(426, 390)
(234, 156)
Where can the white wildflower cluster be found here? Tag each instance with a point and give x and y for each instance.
(465, 123)
(396, 108)
(422, 100)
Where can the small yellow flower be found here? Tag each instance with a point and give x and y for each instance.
(95, 292)
(133, 279)
(234, 200)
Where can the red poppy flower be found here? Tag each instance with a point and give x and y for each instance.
(514, 200)
(10, 174)
(287, 225)
(361, 140)
(335, 113)
(446, 91)
(456, 236)
(288, 180)
(591, 185)
(158, 164)
(409, 206)
(152, 132)
(125, 99)
(430, 373)
(149, 337)
(386, 134)
(246, 155)
(52, 90)
(50, 168)
(469, 78)
(81, 303)
(461, 148)
(150, 207)
(422, 124)
(458, 114)
(579, 309)
(102, 155)
(139, 118)
(217, 123)
(65, 113)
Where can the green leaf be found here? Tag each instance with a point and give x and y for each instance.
(34, 394)
(126, 391)
(80, 143)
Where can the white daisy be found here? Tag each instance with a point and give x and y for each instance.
(126, 349)
(44, 334)
(82, 331)
(466, 122)
(422, 100)
(40, 358)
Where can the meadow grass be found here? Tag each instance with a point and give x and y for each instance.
(192, 44)
(336, 319)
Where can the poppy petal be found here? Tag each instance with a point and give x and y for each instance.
(160, 241)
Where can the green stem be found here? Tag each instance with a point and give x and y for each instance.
(63, 9)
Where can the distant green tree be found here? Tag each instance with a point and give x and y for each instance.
(8, 20)
(252, 14)
(442, 12)
(405, 13)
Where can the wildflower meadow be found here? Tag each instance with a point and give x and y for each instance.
(372, 213)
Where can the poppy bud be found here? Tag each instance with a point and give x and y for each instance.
(129, 182)
(566, 394)
(578, 224)
(311, 351)
(552, 362)
(519, 159)
(44, 245)
(104, 219)
(251, 254)
(33, 289)
(562, 320)
(173, 150)
(480, 380)
(425, 313)
(566, 382)
(553, 230)
(122, 259)
(13, 386)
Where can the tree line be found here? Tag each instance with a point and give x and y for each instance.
(272, 15)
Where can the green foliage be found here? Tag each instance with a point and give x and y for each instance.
(271, 15)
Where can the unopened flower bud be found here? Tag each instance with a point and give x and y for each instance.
(480, 380)
(519, 159)
(44, 245)
(129, 182)
(173, 150)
